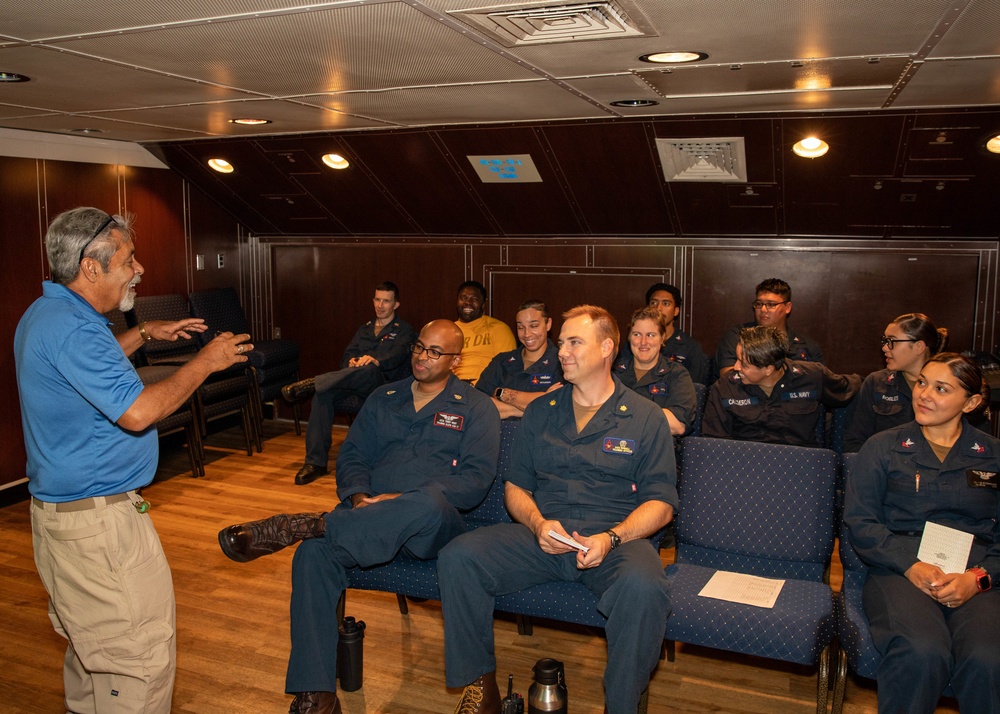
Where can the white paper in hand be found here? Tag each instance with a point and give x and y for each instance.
(569, 541)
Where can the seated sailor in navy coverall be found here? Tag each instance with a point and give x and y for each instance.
(378, 353)
(515, 379)
(933, 625)
(770, 398)
(645, 370)
(420, 452)
(592, 462)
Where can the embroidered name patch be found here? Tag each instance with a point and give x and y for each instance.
(449, 421)
(744, 402)
(614, 445)
(543, 380)
(887, 398)
(681, 359)
(982, 479)
(808, 394)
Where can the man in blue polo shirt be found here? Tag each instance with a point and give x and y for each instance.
(90, 436)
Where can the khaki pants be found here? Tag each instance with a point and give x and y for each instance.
(110, 595)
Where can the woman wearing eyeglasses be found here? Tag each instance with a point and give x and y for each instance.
(515, 379)
(884, 400)
(934, 624)
(647, 372)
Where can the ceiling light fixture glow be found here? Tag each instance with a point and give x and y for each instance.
(335, 161)
(993, 144)
(221, 165)
(13, 77)
(810, 147)
(674, 57)
(634, 103)
(249, 121)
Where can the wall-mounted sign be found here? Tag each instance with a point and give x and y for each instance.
(512, 168)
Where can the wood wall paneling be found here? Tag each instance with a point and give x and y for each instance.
(69, 184)
(213, 231)
(156, 198)
(543, 253)
(322, 293)
(21, 247)
(618, 290)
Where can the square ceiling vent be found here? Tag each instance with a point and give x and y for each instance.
(540, 23)
(720, 159)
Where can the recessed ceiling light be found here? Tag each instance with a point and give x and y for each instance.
(810, 147)
(86, 130)
(335, 161)
(221, 165)
(634, 103)
(13, 77)
(249, 121)
(993, 144)
(678, 57)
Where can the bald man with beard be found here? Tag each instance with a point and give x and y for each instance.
(421, 452)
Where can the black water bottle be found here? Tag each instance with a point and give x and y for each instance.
(351, 654)
(547, 694)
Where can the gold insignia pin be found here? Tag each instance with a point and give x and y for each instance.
(458, 396)
(623, 408)
(391, 391)
(552, 403)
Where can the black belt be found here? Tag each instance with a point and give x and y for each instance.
(918, 534)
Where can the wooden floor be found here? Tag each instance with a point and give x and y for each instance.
(232, 619)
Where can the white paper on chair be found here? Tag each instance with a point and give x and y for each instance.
(947, 548)
(742, 588)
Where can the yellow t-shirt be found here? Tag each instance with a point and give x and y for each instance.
(485, 338)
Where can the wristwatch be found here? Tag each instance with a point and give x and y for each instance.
(498, 393)
(983, 580)
(617, 541)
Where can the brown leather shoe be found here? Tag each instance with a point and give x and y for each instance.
(481, 697)
(315, 703)
(299, 391)
(309, 473)
(244, 542)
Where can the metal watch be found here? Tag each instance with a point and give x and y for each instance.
(983, 580)
(616, 539)
(498, 393)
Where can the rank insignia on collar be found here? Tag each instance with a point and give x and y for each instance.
(512, 358)
(891, 377)
(622, 408)
(908, 443)
(662, 370)
(545, 362)
(391, 391)
(795, 370)
(978, 448)
(552, 403)
(457, 396)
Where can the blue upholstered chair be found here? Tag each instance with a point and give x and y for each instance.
(857, 650)
(274, 363)
(765, 510)
(701, 395)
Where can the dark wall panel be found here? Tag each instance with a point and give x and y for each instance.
(20, 248)
(69, 184)
(156, 198)
(535, 254)
(213, 231)
(322, 293)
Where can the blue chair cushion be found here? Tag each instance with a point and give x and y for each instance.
(796, 629)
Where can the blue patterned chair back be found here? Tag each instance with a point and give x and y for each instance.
(164, 307)
(119, 323)
(701, 395)
(838, 422)
(221, 310)
(765, 509)
(492, 509)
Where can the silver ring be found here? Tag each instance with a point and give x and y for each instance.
(239, 350)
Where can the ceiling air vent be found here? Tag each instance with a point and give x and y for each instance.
(540, 23)
(721, 159)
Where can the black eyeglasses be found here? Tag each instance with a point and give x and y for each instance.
(108, 221)
(431, 352)
(759, 304)
(890, 342)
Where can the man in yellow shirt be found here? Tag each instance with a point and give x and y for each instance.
(485, 337)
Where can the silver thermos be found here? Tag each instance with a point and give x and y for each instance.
(547, 694)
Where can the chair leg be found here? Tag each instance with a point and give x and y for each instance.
(644, 701)
(524, 626)
(670, 650)
(823, 680)
(840, 681)
(189, 431)
(248, 434)
(297, 415)
(199, 447)
(341, 606)
(404, 608)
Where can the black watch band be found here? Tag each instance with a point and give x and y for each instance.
(616, 539)
(498, 392)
